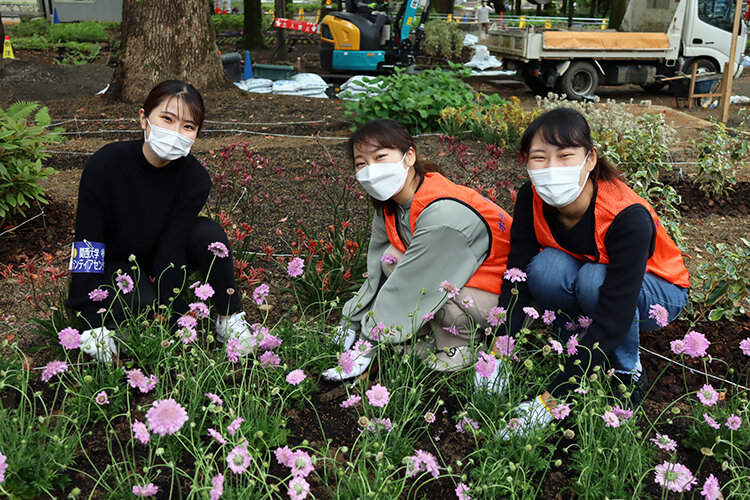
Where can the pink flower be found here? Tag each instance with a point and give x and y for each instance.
(452, 330)
(711, 422)
(148, 490)
(101, 398)
(745, 346)
(531, 312)
(238, 459)
(260, 293)
(449, 288)
(346, 362)
(187, 335)
(674, 477)
(200, 310)
(389, 259)
(431, 315)
(284, 456)
(707, 395)
(695, 344)
(53, 368)
(514, 275)
(677, 346)
(548, 317)
(734, 422)
(69, 338)
(660, 314)
(504, 345)
(235, 425)
(234, 350)
(423, 460)
(204, 292)
(664, 442)
(556, 346)
(214, 398)
(584, 321)
(166, 417)
(98, 295)
(466, 422)
(497, 316)
(622, 413)
(485, 365)
(217, 436)
(570, 326)
(462, 492)
(140, 431)
(298, 488)
(377, 424)
(296, 265)
(3, 466)
(136, 378)
(711, 489)
(581, 390)
(561, 411)
(187, 321)
(219, 249)
(572, 345)
(270, 359)
(217, 483)
(351, 401)
(362, 347)
(429, 417)
(610, 419)
(377, 331)
(295, 377)
(301, 464)
(378, 395)
(124, 283)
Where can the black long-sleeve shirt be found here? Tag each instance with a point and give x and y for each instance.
(629, 243)
(137, 209)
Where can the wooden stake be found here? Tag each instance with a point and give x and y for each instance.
(729, 71)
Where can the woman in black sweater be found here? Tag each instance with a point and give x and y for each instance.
(138, 203)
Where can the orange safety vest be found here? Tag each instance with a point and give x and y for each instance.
(435, 187)
(613, 197)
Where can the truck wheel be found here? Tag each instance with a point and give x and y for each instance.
(580, 80)
(704, 66)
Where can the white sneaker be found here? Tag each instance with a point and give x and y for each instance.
(344, 336)
(451, 359)
(361, 362)
(235, 327)
(100, 344)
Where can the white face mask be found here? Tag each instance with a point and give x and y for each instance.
(558, 186)
(383, 180)
(167, 144)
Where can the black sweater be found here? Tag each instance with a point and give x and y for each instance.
(137, 209)
(629, 243)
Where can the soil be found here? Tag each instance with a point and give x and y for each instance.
(287, 196)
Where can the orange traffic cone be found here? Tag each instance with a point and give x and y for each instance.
(7, 49)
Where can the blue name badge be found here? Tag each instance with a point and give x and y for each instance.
(87, 257)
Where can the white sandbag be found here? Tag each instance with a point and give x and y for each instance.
(319, 95)
(739, 99)
(746, 61)
(310, 81)
(483, 60)
(285, 86)
(254, 83)
(470, 40)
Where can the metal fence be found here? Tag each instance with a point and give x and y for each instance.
(542, 21)
(12, 8)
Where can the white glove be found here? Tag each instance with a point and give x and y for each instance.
(344, 336)
(100, 344)
(497, 382)
(532, 415)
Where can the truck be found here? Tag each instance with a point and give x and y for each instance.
(657, 39)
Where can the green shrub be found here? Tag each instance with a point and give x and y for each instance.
(229, 22)
(21, 153)
(720, 155)
(78, 53)
(33, 42)
(414, 100)
(443, 39)
(79, 32)
(39, 27)
(723, 282)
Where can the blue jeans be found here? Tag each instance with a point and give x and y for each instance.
(559, 282)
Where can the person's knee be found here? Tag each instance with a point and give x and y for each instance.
(207, 231)
(590, 279)
(548, 272)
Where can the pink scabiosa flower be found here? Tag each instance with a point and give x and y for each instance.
(204, 292)
(147, 490)
(556, 346)
(295, 377)
(497, 316)
(267, 341)
(561, 411)
(462, 492)
(452, 330)
(346, 362)
(238, 459)
(187, 321)
(570, 326)
(69, 338)
(664, 442)
(572, 345)
(200, 310)
(234, 350)
(260, 293)
(235, 425)
(468, 302)
(377, 331)
(429, 417)
(695, 344)
(389, 259)
(584, 321)
(428, 317)
(745, 346)
(734, 422)
(187, 335)
(101, 398)
(98, 295)
(622, 413)
(219, 249)
(485, 365)
(711, 489)
(674, 477)
(124, 283)
(581, 390)
(610, 419)
(140, 431)
(217, 487)
(378, 395)
(504, 345)
(215, 399)
(217, 436)
(361, 347)
(377, 424)
(137, 379)
(466, 423)
(284, 456)
(677, 346)
(711, 422)
(53, 368)
(514, 275)
(449, 288)
(351, 401)
(660, 314)
(423, 460)
(548, 317)
(301, 464)
(295, 267)
(531, 312)
(166, 417)
(298, 488)
(3, 466)
(270, 359)
(708, 395)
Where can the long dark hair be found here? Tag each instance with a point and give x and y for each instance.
(170, 89)
(384, 133)
(566, 128)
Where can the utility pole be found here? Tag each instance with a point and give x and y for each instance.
(729, 70)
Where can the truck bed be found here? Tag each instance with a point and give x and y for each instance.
(604, 40)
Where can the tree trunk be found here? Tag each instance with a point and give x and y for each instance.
(443, 6)
(280, 11)
(253, 36)
(166, 40)
(617, 13)
(518, 7)
(2, 28)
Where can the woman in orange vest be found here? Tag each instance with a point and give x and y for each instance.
(434, 258)
(593, 252)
